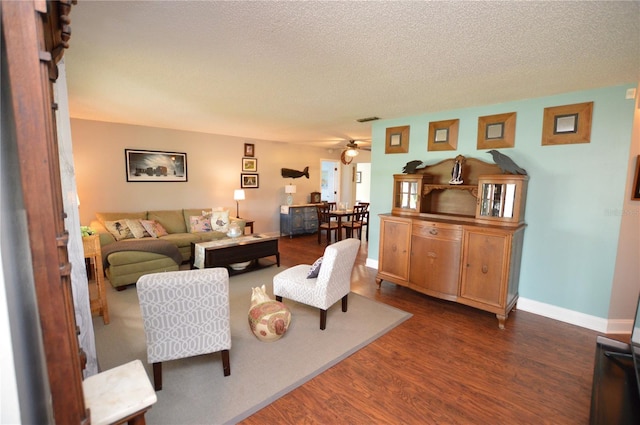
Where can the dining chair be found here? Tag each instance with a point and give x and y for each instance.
(365, 219)
(325, 223)
(355, 224)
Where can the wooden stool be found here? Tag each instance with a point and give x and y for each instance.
(119, 395)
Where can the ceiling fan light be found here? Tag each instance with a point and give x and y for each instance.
(351, 152)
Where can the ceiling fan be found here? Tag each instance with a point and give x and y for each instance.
(350, 151)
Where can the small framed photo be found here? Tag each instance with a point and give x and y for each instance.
(249, 181)
(443, 135)
(358, 176)
(397, 140)
(249, 149)
(250, 165)
(567, 124)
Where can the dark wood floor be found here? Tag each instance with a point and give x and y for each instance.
(448, 364)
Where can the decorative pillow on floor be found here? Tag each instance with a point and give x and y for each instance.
(268, 319)
(119, 229)
(136, 228)
(220, 221)
(199, 223)
(314, 271)
(154, 228)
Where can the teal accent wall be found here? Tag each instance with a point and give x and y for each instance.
(575, 199)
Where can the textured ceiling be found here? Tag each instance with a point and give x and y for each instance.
(305, 71)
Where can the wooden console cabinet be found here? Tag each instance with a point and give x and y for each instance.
(298, 219)
(461, 243)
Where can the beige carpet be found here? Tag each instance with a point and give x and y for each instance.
(195, 390)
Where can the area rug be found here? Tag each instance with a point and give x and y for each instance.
(195, 391)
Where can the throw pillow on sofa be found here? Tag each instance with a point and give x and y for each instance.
(199, 223)
(220, 221)
(137, 228)
(119, 229)
(154, 228)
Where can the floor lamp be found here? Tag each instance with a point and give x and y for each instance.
(238, 195)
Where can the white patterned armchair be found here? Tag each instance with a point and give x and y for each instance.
(185, 314)
(333, 281)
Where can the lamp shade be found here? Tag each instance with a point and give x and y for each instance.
(290, 188)
(351, 152)
(238, 195)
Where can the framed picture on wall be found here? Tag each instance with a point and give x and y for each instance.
(397, 140)
(155, 166)
(250, 164)
(443, 135)
(249, 149)
(567, 124)
(249, 181)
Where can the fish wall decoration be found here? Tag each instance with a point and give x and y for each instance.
(295, 174)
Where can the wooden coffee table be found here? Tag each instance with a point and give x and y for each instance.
(225, 252)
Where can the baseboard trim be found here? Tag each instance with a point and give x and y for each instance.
(598, 324)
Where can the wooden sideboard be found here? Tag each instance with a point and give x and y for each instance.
(461, 243)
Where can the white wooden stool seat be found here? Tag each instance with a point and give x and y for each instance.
(118, 395)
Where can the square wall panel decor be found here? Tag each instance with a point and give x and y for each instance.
(397, 140)
(443, 135)
(567, 124)
(497, 131)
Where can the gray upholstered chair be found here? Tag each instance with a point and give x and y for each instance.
(332, 283)
(185, 314)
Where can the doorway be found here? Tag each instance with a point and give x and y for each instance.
(330, 183)
(363, 180)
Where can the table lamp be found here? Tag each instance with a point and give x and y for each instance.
(238, 195)
(290, 189)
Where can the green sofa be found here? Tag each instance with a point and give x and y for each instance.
(124, 267)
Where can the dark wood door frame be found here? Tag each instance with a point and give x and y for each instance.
(35, 34)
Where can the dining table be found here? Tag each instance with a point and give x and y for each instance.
(346, 214)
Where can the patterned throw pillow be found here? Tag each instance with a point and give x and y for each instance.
(154, 228)
(200, 223)
(315, 269)
(220, 221)
(136, 228)
(119, 229)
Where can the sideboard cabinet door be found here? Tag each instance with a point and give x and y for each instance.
(395, 240)
(488, 280)
(435, 258)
